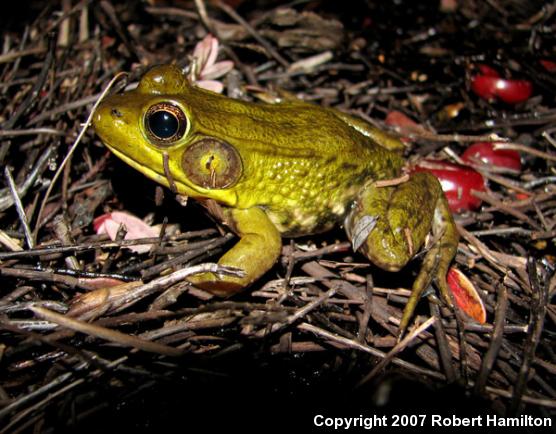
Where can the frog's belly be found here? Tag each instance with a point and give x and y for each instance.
(311, 217)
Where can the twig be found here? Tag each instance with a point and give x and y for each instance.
(398, 348)
(539, 299)
(496, 341)
(71, 151)
(233, 14)
(365, 348)
(104, 333)
(19, 208)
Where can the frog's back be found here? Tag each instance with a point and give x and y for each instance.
(287, 128)
(302, 163)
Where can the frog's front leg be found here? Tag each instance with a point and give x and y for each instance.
(255, 253)
(389, 226)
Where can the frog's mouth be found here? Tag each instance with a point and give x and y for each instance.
(164, 178)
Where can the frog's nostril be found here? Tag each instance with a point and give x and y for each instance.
(116, 113)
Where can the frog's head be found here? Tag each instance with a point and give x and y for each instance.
(152, 128)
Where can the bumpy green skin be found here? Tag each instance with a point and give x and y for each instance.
(303, 169)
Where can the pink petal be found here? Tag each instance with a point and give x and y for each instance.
(217, 70)
(136, 228)
(202, 50)
(212, 85)
(213, 53)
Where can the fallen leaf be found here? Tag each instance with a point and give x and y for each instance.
(465, 295)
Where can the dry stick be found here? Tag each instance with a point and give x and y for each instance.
(526, 149)
(367, 310)
(6, 200)
(550, 403)
(493, 258)
(19, 207)
(460, 322)
(65, 348)
(442, 343)
(35, 393)
(302, 311)
(496, 341)
(104, 333)
(434, 137)
(71, 151)
(12, 55)
(498, 204)
(234, 15)
(399, 347)
(31, 132)
(30, 98)
(538, 311)
(373, 351)
(50, 250)
(505, 182)
(59, 392)
(136, 294)
(65, 108)
(178, 260)
(203, 16)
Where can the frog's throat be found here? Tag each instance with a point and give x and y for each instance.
(182, 188)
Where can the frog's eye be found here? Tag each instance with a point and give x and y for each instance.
(212, 163)
(165, 123)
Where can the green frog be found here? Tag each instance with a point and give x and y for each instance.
(285, 169)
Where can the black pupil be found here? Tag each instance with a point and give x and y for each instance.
(163, 124)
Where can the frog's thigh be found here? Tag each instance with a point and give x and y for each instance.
(255, 253)
(390, 223)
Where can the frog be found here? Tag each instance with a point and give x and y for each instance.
(277, 169)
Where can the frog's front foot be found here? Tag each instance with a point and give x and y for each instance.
(389, 226)
(255, 253)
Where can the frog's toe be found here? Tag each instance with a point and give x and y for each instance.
(223, 286)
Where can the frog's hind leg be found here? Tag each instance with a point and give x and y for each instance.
(436, 261)
(389, 225)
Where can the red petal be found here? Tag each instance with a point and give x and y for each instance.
(486, 153)
(404, 123)
(488, 71)
(399, 119)
(509, 91)
(457, 183)
(465, 295)
(514, 91)
(484, 86)
(549, 65)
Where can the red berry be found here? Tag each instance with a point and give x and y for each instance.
(457, 183)
(487, 153)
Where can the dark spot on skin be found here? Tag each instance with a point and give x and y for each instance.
(330, 160)
(348, 166)
(116, 113)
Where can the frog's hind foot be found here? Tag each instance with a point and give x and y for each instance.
(435, 263)
(389, 226)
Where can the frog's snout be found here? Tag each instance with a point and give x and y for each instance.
(101, 119)
(108, 121)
